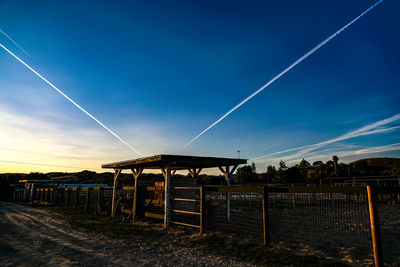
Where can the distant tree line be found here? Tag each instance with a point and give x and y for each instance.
(305, 172)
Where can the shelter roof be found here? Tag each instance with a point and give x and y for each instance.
(176, 162)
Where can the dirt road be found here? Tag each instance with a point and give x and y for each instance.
(38, 237)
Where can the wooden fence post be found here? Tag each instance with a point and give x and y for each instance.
(67, 198)
(87, 199)
(202, 208)
(76, 198)
(98, 206)
(52, 195)
(60, 197)
(375, 227)
(266, 226)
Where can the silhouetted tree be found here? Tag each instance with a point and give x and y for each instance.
(271, 174)
(335, 161)
(246, 174)
(282, 175)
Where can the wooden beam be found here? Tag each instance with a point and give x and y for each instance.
(233, 170)
(222, 170)
(116, 175)
(136, 173)
(191, 173)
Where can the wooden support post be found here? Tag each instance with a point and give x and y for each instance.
(228, 175)
(87, 199)
(167, 195)
(114, 195)
(98, 206)
(61, 196)
(202, 208)
(52, 195)
(136, 173)
(375, 227)
(266, 226)
(67, 198)
(76, 199)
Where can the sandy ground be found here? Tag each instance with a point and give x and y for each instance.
(38, 237)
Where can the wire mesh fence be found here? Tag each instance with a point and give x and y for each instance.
(333, 222)
(234, 212)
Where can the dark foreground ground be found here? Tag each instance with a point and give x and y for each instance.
(32, 236)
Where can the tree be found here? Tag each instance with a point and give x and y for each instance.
(271, 173)
(282, 175)
(303, 167)
(246, 174)
(335, 161)
(253, 166)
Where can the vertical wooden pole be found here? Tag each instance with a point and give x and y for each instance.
(135, 192)
(114, 195)
(87, 199)
(202, 208)
(61, 193)
(375, 227)
(52, 195)
(76, 198)
(67, 198)
(136, 173)
(98, 206)
(266, 226)
(167, 195)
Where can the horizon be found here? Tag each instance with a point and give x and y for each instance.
(157, 75)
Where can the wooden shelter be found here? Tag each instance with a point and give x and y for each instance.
(169, 164)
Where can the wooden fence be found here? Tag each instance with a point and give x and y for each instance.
(324, 217)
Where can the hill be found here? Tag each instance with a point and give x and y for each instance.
(378, 162)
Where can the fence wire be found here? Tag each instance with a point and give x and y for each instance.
(334, 222)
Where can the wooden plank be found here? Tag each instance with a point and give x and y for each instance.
(239, 189)
(154, 188)
(128, 188)
(186, 212)
(187, 187)
(186, 199)
(185, 224)
(154, 215)
(127, 211)
(375, 227)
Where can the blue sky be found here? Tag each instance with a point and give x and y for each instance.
(158, 73)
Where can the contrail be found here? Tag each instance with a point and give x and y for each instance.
(369, 129)
(72, 101)
(14, 42)
(284, 71)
